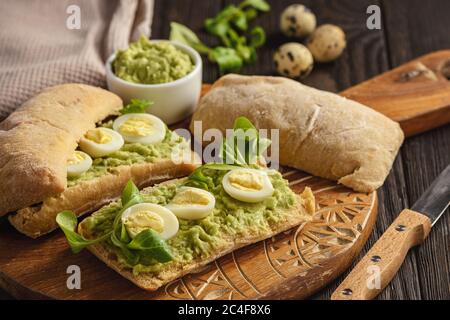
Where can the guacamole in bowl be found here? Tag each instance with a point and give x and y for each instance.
(147, 62)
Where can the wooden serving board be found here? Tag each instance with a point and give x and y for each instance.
(293, 264)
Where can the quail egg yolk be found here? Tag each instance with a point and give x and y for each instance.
(246, 181)
(76, 158)
(189, 196)
(143, 220)
(137, 127)
(248, 185)
(98, 136)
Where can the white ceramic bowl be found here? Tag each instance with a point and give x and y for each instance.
(173, 101)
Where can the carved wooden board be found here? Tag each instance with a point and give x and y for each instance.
(316, 252)
(293, 264)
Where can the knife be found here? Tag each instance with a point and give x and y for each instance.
(374, 272)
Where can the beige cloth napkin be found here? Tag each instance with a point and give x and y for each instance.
(38, 50)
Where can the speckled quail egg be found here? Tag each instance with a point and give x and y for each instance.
(145, 216)
(327, 43)
(78, 164)
(297, 21)
(140, 128)
(248, 185)
(293, 60)
(192, 203)
(100, 142)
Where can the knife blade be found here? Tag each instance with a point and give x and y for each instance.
(436, 198)
(377, 268)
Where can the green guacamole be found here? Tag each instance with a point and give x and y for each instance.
(198, 238)
(129, 154)
(148, 62)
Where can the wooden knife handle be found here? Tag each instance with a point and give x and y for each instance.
(374, 272)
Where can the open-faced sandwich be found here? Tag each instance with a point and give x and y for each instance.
(164, 232)
(74, 147)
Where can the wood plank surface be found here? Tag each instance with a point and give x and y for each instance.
(415, 28)
(410, 28)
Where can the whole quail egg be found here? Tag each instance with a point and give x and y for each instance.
(297, 21)
(327, 43)
(293, 60)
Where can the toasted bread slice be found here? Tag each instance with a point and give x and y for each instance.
(301, 212)
(88, 196)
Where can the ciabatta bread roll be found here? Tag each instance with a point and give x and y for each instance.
(320, 132)
(37, 140)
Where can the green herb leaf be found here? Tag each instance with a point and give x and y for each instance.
(218, 28)
(263, 144)
(235, 38)
(251, 13)
(220, 166)
(146, 243)
(227, 58)
(131, 257)
(199, 180)
(240, 20)
(184, 35)
(239, 43)
(136, 106)
(150, 243)
(227, 26)
(230, 152)
(130, 195)
(240, 149)
(256, 144)
(119, 235)
(247, 53)
(243, 123)
(260, 5)
(67, 221)
(244, 146)
(221, 24)
(257, 37)
(124, 237)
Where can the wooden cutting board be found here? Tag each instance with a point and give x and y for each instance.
(293, 264)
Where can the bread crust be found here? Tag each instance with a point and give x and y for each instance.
(151, 282)
(320, 132)
(88, 196)
(37, 139)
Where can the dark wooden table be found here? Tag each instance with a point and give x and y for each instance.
(410, 28)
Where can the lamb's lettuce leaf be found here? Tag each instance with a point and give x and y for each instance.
(240, 149)
(147, 244)
(67, 221)
(136, 106)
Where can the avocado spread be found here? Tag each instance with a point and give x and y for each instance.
(199, 238)
(129, 154)
(148, 62)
